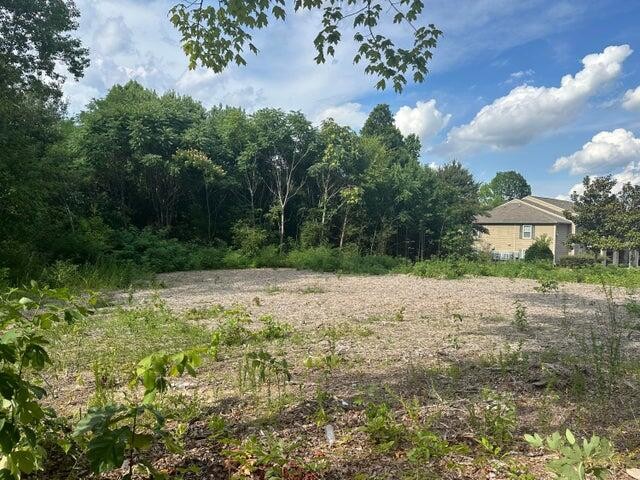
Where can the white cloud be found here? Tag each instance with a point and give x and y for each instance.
(349, 114)
(631, 99)
(113, 36)
(521, 76)
(606, 150)
(527, 112)
(424, 120)
(630, 174)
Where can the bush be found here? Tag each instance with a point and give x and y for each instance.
(248, 239)
(539, 250)
(578, 260)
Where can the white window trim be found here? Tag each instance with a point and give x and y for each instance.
(530, 232)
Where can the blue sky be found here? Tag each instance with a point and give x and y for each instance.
(548, 88)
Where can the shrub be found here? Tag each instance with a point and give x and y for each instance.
(578, 260)
(248, 239)
(539, 250)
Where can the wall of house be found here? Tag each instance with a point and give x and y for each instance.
(562, 235)
(506, 238)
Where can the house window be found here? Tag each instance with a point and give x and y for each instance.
(527, 231)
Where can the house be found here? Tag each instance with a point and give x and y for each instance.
(512, 227)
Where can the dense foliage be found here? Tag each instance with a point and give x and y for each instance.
(539, 250)
(606, 220)
(503, 187)
(159, 181)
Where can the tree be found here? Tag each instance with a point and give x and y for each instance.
(289, 144)
(458, 206)
(36, 44)
(215, 34)
(503, 187)
(336, 168)
(36, 39)
(596, 214)
(380, 124)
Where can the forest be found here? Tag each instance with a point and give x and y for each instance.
(137, 170)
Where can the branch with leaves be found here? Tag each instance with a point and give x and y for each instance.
(216, 35)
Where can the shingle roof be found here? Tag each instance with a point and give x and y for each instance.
(520, 212)
(563, 204)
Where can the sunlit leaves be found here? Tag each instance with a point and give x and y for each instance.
(215, 35)
(23, 317)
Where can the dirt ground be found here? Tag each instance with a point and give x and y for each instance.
(439, 343)
(478, 310)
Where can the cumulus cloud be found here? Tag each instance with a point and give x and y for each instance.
(424, 120)
(527, 112)
(605, 151)
(631, 99)
(630, 174)
(349, 114)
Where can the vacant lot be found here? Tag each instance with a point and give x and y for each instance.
(415, 378)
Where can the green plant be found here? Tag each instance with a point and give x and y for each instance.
(261, 368)
(604, 349)
(520, 316)
(494, 420)
(539, 250)
(383, 428)
(112, 433)
(428, 445)
(591, 458)
(547, 285)
(266, 457)
(25, 423)
(233, 329)
(578, 260)
(273, 329)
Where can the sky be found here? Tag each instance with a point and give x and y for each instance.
(550, 89)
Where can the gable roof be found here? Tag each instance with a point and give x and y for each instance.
(553, 204)
(523, 212)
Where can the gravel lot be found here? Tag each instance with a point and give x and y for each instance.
(413, 316)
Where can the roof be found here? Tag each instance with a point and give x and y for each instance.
(524, 212)
(562, 204)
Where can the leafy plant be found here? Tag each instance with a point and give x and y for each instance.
(591, 458)
(112, 433)
(273, 329)
(25, 424)
(269, 458)
(520, 316)
(539, 251)
(547, 285)
(494, 420)
(382, 427)
(261, 368)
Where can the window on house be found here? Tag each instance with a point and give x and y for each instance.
(527, 231)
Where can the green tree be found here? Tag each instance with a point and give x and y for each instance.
(503, 187)
(37, 44)
(37, 38)
(596, 213)
(338, 166)
(380, 124)
(216, 34)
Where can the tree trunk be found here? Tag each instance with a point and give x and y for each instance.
(281, 227)
(344, 228)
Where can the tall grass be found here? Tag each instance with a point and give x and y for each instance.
(596, 274)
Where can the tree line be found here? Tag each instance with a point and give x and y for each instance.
(135, 160)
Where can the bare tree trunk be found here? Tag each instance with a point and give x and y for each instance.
(281, 227)
(344, 228)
